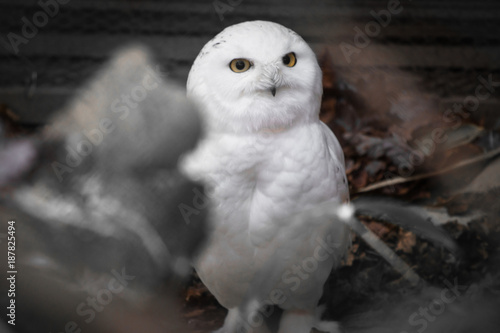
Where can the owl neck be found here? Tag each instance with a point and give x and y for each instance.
(255, 118)
(221, 126)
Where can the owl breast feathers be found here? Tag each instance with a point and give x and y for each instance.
(266, 157)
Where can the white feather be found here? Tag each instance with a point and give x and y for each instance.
(266, 158)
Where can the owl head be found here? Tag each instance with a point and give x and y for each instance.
(256, 76)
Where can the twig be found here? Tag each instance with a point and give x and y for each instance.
(401, 180)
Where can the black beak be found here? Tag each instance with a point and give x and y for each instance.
(273, 91)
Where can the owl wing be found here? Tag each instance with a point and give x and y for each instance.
(338, 155)
(282, 243)
(333, 144)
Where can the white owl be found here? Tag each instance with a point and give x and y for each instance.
(266, 156)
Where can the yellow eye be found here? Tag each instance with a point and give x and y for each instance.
(240, 65)
(290, 59)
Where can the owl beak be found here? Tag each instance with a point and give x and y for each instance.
(271, 77)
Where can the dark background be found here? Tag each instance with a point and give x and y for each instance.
(445, 43)
(427, 58)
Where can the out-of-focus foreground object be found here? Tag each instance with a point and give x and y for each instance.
(100, 239)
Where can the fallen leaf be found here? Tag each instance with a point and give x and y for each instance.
(406, 241)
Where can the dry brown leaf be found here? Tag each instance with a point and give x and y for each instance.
(406, 241)
(379, 229)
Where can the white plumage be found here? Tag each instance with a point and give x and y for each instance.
(266, 157)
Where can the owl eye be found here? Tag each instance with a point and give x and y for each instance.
(290, 59)
(240, 65)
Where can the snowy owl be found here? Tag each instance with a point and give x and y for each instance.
(265, 158)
